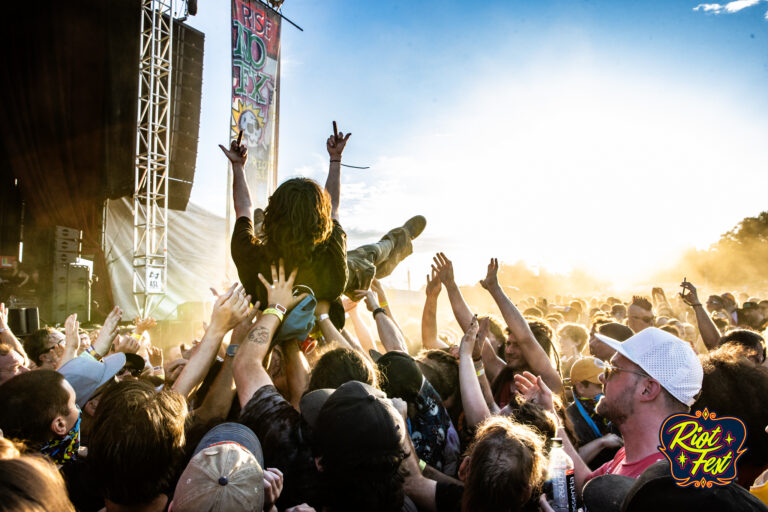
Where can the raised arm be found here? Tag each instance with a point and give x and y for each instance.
(330, 333)
(108, 332)
(444, 269)
(335, 146)
(7, 336)
(250, 374)
(429, 337)
(710, 335)
(238, 155)
(72, 339)
(389, 334)
(534, 355)
(361, 330)
(475, 407)
(229, 310)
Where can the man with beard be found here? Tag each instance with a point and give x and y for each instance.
(653, 375)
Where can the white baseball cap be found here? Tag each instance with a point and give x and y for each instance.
(665, 357)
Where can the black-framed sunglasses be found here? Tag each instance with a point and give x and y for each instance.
(610, 370)
(61, 342)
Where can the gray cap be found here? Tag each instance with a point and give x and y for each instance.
(86, 375)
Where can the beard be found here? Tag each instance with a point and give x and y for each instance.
(618, 409)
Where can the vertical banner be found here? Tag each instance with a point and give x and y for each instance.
(255, 67)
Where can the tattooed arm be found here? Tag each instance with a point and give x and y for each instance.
(249, 371)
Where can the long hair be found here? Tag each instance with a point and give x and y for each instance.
(297, 219)
(506, 467)
(32, 484)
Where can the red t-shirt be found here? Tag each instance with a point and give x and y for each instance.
(619, 465)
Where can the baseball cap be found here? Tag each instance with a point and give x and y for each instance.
(356, 422)
(225, 473)
(666, 358)
(86, 375)
(587, 368)
(656, 490)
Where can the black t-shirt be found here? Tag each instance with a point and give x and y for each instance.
(281, 434)
(325, 272)
(448, 497)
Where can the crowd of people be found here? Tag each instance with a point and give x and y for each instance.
(294, 401)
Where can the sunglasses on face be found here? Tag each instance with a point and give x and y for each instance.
(59, 343)
(610, 370)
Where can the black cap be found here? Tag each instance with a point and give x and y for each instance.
(656, 490)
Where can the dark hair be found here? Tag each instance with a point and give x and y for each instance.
(543, 333)
(441, 369)
(29, 402)
(297, 219)
(137, 442)
(735, 386)
(616, 331)
(36, 344)
(527, 413)
(745, 339)
(341, 365)
(507, 466)
(497, 328)
(31, 484)
(642, 302)
(671, 329)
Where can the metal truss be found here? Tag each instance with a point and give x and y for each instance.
(150, 195)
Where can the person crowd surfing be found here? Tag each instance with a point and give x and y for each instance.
(306, 393)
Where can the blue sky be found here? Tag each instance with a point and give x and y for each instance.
(602, 135)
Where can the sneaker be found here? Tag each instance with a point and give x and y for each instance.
(415, 225)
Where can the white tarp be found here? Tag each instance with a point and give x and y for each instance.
(197, 242)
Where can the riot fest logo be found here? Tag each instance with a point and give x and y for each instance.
(702, 449)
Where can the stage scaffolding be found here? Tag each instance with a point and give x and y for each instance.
(150, 195)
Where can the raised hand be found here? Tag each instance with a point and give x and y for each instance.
(689, 294)
(273, 486)
(371, 301)
(108, 331)
(468, 342)
(336, 143)
(127, 344)
(230, 308)
(145, 324)
(443, 268)
(535, 390)
(433, 284)
(242, 329)
(237, 153)
(280, 290)
(155, 356)
(3, 316)
(492, 275)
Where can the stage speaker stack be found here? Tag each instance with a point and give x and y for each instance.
(71, 282)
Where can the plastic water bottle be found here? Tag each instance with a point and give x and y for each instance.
(561, 477)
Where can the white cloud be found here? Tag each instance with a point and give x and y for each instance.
(738, 5)
(708, 7)
(730, 7)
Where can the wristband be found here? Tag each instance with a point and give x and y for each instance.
(379, 310)
(697, 304)
(480, 372)
(136, 336)
(323, 316)
(278, 307)
(422, 465)
(93, 353)
(384, 304)
(332, 160)
(478, 364)
(273, 311)
(158, 369)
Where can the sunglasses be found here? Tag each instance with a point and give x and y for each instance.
(610, 370)
(61, 342)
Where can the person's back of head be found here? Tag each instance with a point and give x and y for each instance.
(341, 365)
(749, 342)
(735, 386)
(441, 370)
(358, 443)
(137, 441)
(297, 219)
(616, 331)
(642, 302)
(543, 334)
(32, 484)
(30, 403)
(507, 466)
